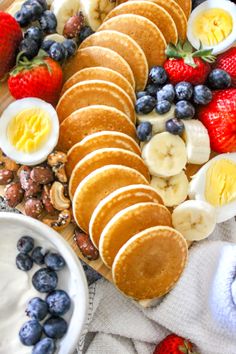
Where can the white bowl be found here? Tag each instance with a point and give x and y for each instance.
(71, 279)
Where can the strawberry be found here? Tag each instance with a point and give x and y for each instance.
(219, 117)
(10, 38)
(227, 62)
(41, 77)
(185, 65)
(175, 345)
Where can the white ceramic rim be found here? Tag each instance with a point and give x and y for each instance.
(80, 311)
(226, 5)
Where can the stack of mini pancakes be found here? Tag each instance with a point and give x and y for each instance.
(109, 182)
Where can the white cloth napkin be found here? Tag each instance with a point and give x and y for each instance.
(201, 306)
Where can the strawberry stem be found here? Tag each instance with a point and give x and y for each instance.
(23, 63)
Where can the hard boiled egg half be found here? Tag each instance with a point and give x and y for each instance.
(215, 183)
(29, 131)
(213, 23)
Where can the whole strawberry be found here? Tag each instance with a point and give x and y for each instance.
(219, 117)
(185, 65)
(41, 77)
(174, 344)
(227, 62)
(10, 38)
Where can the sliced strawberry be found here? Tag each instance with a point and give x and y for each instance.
(219, 117)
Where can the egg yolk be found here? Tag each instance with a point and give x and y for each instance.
(220, 188)
(29, 130)
(212, 26)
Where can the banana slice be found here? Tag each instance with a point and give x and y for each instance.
(165, 155)
(173, 190)
(157, 120)
(63, 10)
(55, 37)
(95, 11)
(194, 219)
(197, 141)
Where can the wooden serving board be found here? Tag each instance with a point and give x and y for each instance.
(5, 100)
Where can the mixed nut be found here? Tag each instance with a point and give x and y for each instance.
(43, 189)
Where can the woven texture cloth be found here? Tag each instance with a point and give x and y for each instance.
(200, 307)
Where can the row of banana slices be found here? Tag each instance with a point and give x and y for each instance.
(94, 11)
(166, 156)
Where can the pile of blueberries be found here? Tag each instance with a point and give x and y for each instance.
(35, 13)
(56, 304)
(160, 95)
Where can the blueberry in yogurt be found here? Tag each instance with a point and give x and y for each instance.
(54, 261)
(45, 280)
(58, 302)
(45, 346)
(55, 327)
(25, 244)
(37, 309)
(30, 333)
(24, 262)
(38, 255)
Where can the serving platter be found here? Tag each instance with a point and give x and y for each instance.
(68, 233)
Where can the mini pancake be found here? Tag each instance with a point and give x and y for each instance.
(117, 201)
(144, 32)
(150, 263)
(176, 13)
(96, 141)
(186, 6)
(126, 47)
(98, 56)
(97, 186)
(93, 119)
(94, 92)
(103, 157)
(100, 73)
(127, 223)
(157, 14)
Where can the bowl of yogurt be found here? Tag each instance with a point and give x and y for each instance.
(16, 288)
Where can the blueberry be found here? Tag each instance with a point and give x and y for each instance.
(144, 131)
(85, 32)
(141, 94)
(184, 91)
(175, 126)
(184, 110)
(158, 75)
(54, 261)
(58, 302)
(24, 262)
(34, 33)
(34, 8)
(22, 19)
(37, 309)
(47, 44)
(145, 104)
(45, 346)
(55, 327)
(202, 94)
(163, 107)
(30, 333)
(29, 47)
(48, 22)
(43, 4)
(45, 280)
(38, 255)
(25, 244)
(166, 93)
(219, 79)
(57, 52)
(152, 89)
(70, 46)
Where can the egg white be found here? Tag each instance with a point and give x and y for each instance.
(226, 5)
(197, 189)
(36, 157)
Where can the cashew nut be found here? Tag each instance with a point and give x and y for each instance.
(62, 221)
(57, 161)
(7, 163)
(58, 199)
